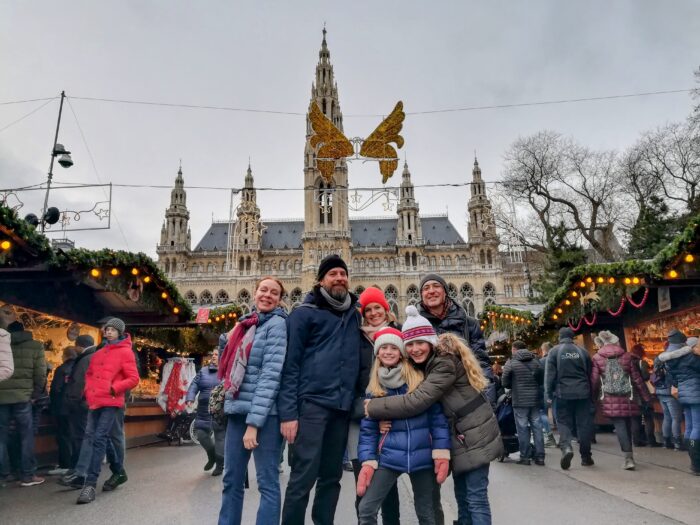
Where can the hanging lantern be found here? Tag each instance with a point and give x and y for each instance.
(114, 272)
(635, 280)
(689, 258)
(94, 272)
(589, 280)
(600, 280)
(134, 271)
(147, 279)
(673, 274)
(628, 280)
(176, 310)
(5, 245)
(164, 295)
(611, 280)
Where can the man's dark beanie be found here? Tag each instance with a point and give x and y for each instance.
(15, 326)
(566, 333)
(328, 263)
(433, 277)
(84, 341)
(676, 337)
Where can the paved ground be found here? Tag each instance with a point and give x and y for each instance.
(167, 486)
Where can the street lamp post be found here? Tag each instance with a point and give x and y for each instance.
(64, 161)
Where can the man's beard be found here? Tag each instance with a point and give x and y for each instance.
(337, 292)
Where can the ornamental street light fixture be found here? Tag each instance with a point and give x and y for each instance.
(64, 160)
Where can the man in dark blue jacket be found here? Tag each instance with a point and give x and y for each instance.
(317, 390)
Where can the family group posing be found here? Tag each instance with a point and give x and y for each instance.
(339, 373)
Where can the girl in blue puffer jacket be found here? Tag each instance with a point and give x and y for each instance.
(418, 446)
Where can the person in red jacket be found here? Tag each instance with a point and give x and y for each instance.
(111, 373)
(618, 381)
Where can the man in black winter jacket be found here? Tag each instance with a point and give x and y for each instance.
(446, 316)
(567, 378)
(523, 375)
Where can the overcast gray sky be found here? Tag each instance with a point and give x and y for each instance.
(262, 55)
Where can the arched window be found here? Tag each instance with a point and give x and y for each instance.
(412, 294)
(448, 262)
(295, 298)
(205, 297)
(359, 290)
(489, 294)
(468, 306)
(266, 267)
(210, 268)
(297, 265)
(370, 264)
(222, 296)
(489, 258)
(191, 297)
(247, 265)
(414, 260)
(451, 291)
(392, 297)
(408, 260)
(324, 199)
(243, 298)
(482, 258)
(466, 291)
(283, 266)
(241, 264)
(392, 265)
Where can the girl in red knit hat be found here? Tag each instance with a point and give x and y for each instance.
(376, 314)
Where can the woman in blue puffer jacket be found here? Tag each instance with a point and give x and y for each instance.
(251, 366)
(418, 446)
(202, 384)
(684, 367)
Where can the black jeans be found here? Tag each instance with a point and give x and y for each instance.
(623, 431)
(643, 432)
(422, 482)
(77, 420)
(317, 459)
(391, 510)
(577, 412)
(65, 444)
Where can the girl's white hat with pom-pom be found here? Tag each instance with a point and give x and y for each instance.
(417, 328)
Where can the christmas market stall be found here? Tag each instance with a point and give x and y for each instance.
(59, 295)
(641, 301)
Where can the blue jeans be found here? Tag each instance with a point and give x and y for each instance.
(99, 425)
(22, 412)
(115, 448)
(471, 493)
(266, 457)
(673, 415)
(526, 419)
(544, 418)
(692, 421)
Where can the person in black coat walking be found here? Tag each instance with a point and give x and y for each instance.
(523, 375)
(202, 384)
(60, 413)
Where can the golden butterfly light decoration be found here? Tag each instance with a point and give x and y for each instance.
(331, 145)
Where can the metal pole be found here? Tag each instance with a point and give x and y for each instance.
(53, 156)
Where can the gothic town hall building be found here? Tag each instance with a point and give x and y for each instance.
(391, 252)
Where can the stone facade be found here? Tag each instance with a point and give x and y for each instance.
(390, 252)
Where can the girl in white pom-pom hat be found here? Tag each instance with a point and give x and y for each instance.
(418, 446)
(454, 378)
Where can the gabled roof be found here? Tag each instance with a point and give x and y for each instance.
(365, 231)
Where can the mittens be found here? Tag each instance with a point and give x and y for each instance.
(364, 479)
(442, 468)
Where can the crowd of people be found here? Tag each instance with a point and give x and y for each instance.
(340, 380)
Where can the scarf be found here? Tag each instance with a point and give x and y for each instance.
(369, 331)
(391, 377)
(233, 362)
(340, 306)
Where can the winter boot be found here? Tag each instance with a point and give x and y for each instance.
(219, 466)
(694, 453)
(629, 462)
(668, 443)
(211, 460)
(680, 444)
(550, 442)
(567, 454)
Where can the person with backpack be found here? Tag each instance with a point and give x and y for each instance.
(684, 366)
(671, 408)
(251, 368)
(567, 383)
(523, 375)
(617, 380)
(416, 446)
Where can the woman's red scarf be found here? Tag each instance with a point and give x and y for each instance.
(234, 346)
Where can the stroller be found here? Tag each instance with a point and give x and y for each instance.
(180, 429)
(506, 423)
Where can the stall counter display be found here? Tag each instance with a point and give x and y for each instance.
(653, 333)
